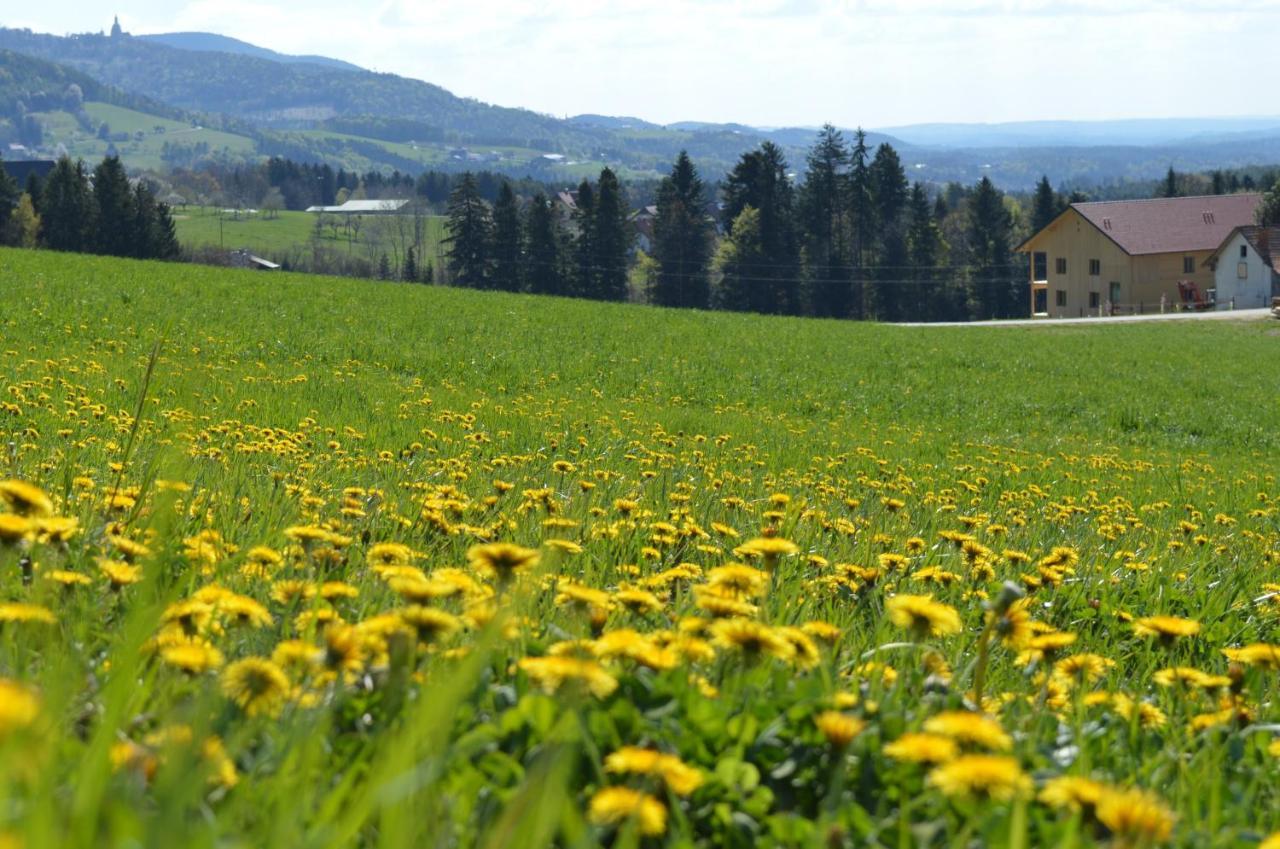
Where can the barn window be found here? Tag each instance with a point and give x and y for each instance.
(1095, 300)
(1244, 251)
(1060, 297)
(1242, 271)
(1060, 265)
(1040, 265)
(1095, 268)
(1188, 265)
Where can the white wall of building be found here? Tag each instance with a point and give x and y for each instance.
(1246, 279)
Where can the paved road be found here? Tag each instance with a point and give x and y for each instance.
(1223, 315)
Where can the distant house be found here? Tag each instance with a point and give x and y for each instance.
(564, 205)
(362, 207)
(642, 223)
(1246, 268)
(1130, 255)
(244, 259)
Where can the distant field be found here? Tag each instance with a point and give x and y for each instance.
(145, 152)
(277, 237)
(296, 561)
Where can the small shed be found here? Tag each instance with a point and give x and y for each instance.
(244, 259)
(1246, 268)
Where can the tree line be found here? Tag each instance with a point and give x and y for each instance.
(852, 239)
(98, 212)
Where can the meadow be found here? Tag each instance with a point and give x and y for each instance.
(286, 232)
(305, 562)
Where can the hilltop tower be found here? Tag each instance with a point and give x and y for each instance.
(116, 32)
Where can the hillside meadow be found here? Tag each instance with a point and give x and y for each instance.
(308, 562)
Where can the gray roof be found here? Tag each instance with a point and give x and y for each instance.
(363, 206)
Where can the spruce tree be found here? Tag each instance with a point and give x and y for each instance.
(759, 180)
(409, 271)
(889, 192)
(9, 193)
(861, 222)
(1170, 188)
(543, 274)
(583, 282)
(35, 190)
(822, 218)
(1045, 206)
(467, 235)
(681, 239)
(612, 239)
(924, 254)
(506, 240)
(991, 290)
(116, 231)
(68, 209)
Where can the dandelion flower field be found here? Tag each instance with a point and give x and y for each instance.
(300, 562)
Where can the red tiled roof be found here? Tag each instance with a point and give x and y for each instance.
(1170, 225)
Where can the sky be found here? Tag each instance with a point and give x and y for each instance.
(874, 63)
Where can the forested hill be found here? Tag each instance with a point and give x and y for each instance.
(30, 84)
(298, 95)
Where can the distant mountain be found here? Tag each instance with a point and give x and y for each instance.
(316, 109)
(1143, 132)
(212, 42)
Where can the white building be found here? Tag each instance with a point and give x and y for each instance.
(1246, 268)
(363, 207)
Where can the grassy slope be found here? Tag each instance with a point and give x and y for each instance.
(62, 128)
(958, 422)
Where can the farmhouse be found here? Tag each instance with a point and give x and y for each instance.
(363, 207)
(1246, 268)
(1130, 256)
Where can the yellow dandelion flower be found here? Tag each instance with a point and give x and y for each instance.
(1166, 628)
(980, 776)
(1135, 817)
(257, 685)
(838, 728)
(22, 612)
(501, 561)
(752, 639)
(554, 673)
(25, 499)
(923, 616)
(915, 747)
(617, 806)
(970, 728)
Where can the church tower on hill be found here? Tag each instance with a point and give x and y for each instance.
(116, 32)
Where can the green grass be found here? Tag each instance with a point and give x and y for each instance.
(437, 418)
(287, 232)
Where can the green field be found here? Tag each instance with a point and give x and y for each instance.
(145, 152)
(287, 232)
(332, 563)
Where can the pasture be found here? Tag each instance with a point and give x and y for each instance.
(308, 562)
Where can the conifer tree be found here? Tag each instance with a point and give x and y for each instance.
(409, 271)
(152, 235)
(1268, 212)
(35, 190)
(467, 235)
(543, 274)
(759, 180)
(116, 231)
(681, 239)
(583, 281)
(9, 193)
(924, 254)
(612, 239)
(861, 222)
(991, 291)
(1170, 188)
(506, 240)
(822, 217)
(68, 209)
(889, 192)
(1045, 206)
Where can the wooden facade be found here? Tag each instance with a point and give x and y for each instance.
(1128, 256)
